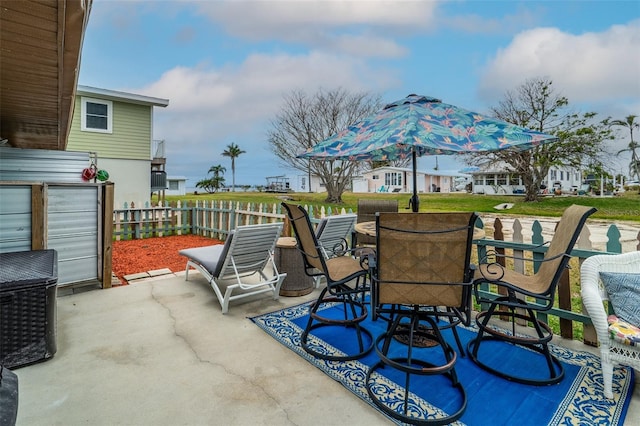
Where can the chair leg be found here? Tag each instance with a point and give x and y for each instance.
(354, 313)
(607, 375)
(538, 343)
(416, 368)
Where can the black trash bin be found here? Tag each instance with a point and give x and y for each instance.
(28, 286)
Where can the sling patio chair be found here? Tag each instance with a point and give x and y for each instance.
(244, 263)
(367, 209)
(614, 278)
(524, 295)
(334, 234)
(421, 284)
(346, 279)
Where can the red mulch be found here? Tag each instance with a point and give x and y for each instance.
(148, 254)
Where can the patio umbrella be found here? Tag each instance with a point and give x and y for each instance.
(421, 125)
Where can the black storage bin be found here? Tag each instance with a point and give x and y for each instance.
(27, 306)
(8, 397)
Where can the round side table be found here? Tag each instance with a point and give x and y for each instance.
(289, 260)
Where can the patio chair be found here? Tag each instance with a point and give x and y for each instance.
(517, 303)
(346, 279)
(244, 263)
(367, 210)
(619, 344)
(421, 277)
(334, 233)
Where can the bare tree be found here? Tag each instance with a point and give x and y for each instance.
(536, 106)
(306, 120)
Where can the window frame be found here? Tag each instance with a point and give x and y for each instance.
(109, 104)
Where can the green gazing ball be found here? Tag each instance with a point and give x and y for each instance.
(102, 175)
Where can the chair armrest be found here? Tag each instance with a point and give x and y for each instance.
(592, 296)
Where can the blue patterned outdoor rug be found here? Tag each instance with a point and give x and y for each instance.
(577, 400)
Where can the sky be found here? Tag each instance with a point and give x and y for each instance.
(226, 66)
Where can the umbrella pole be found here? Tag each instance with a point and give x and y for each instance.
(415, 201)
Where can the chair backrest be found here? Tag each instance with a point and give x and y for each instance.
(333, 233)
(559, 252)
(367, 210)
(248, 249)
(424, 258)
(307, 241)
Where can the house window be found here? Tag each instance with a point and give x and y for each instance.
(491, 180)
(375, 177)
(478, 180)
(173, 185)
(97, 115)
(514, 180)
(502, 179)
(393, 179)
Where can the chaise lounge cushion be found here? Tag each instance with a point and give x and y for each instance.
(624, 293)
(210, 257)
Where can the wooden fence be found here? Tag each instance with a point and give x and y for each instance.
(216, 219)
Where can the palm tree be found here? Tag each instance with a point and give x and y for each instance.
(217, 170)
(233, 151)
(634, 165)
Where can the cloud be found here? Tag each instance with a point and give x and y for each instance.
(211, 107)
(590, 67)
(358, 27)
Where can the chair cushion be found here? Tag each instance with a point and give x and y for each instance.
(623, 332)
(624, 293)
(210, 257)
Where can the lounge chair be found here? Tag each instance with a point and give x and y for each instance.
(334, 233)
(245, 263)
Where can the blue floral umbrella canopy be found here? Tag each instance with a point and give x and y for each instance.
(421, 125)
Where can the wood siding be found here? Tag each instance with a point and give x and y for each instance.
(130, 139)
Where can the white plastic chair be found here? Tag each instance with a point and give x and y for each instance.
(245, 263)
(593, 294)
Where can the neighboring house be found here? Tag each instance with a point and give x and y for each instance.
(494, 180)
(396, 179)
(118, 128)
(300, 183)
(176, 185)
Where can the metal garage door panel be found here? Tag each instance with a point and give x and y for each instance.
(72, 230)
(15, 218)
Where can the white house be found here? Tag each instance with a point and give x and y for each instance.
(494, 180)
(176, 185)
(397, 179)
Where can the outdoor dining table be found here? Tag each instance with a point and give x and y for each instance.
(369, 228)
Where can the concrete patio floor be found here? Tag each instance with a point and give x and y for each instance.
(160, 352)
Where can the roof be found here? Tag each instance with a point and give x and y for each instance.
(41, 45)
(121, 96)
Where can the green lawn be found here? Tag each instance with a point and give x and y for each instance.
(625, 207)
